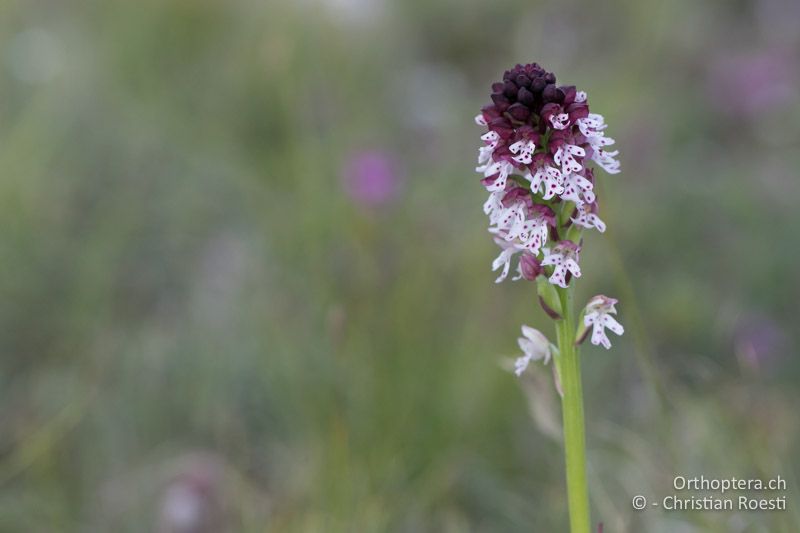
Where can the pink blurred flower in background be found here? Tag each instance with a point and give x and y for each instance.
(760, 342)
(370, 178)
(192, 501)
(752, 82)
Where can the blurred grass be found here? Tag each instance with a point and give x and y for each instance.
(183, 274)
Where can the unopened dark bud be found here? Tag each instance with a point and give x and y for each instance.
(525, 96)
(509, 89)
(549, 93)
(530, 267)
(523, 81)
(519, 111)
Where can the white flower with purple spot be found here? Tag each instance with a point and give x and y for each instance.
(559, 120)
(496, 174)
(598, 315)
(606, 160)
(523, 150)
(504, 259)
(587, 217)
(564, 257)
(565, 157)
(546, 179)
(578, 189)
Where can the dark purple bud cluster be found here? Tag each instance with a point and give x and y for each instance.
(529, 93)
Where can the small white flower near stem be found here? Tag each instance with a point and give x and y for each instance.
(564, 256)
(535, 346)
(598, 315)
(606, 160)
(496, 173)
(504, 259)
(565, 156)
(484, 154)
(592, 125)
(587, 218)
(559, 121)
(531, 234)
(491, 138)
(592, 128)
(547, 179)
(578, 189)
(524, 151)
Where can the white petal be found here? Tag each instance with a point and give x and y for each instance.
(552, 259)
(573, 267)
(599, 336)
(559, 276)
(521, 364)
(597, 223)
(575, 150)
(537, 337)
(504, 260)
(490, 136)
(613, 325)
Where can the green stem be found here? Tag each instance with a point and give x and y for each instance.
(574, 427)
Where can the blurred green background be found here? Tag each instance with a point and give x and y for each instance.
(246, 280)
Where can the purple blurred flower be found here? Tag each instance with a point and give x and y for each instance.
(759, 342)
(370, 178)
(752, 83)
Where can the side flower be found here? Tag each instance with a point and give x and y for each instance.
(598, 315)
(534, 346)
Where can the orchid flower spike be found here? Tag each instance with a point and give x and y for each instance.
(534, 161)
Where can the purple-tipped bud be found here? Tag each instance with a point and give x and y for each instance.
(509, 89)
(538, 85)
(569, 93)
(530, 267)
(519, 112)
(526, 97)
(500, 101)
(549, 93)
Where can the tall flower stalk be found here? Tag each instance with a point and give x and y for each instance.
(539, 143)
